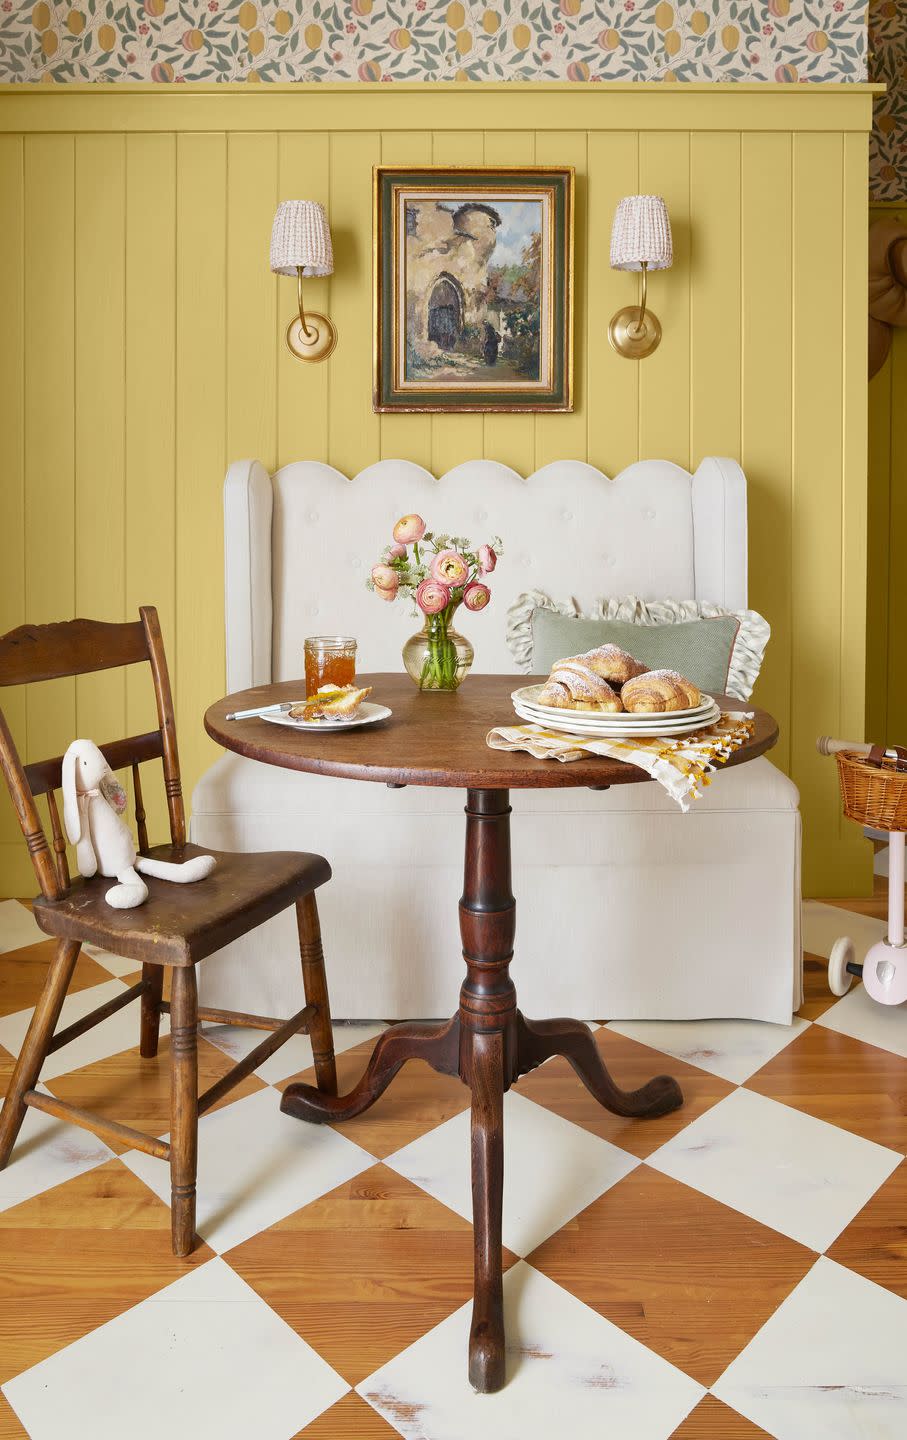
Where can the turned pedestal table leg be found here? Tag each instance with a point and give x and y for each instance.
(489, 1045)
(488, 1059)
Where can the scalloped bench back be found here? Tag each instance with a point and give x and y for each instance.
(299, 546)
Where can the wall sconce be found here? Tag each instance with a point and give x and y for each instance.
(640, 240)
(301, 246)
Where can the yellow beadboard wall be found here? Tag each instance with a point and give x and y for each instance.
(143, 350)
(886, 673)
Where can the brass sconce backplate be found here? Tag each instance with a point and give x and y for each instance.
(313, 339)
(629, 338)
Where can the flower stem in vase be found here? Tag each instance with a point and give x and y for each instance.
(438, 658)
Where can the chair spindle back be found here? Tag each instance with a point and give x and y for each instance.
(32, 653)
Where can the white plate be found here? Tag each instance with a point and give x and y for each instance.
(529, 694)
(367, 714)
(635, 722)
(616, 730)
(569, 726)
(639, 720)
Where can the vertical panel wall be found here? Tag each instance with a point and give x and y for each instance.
(143, 350)
(886, 616)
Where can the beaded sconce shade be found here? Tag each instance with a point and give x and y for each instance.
(641, 234)
(301, 239)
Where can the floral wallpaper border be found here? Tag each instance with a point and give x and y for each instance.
(386, 40)
(888, 63)
(175, 41)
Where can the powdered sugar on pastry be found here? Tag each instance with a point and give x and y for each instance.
(610, 662)
(574, 686)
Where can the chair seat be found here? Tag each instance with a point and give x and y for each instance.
(181, 924)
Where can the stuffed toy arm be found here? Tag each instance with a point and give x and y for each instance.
(75, 817)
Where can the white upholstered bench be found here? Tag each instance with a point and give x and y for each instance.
(646, 913)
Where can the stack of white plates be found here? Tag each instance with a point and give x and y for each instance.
(606, 725)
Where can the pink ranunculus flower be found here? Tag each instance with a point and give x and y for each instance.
(395, 551)
(432, 597)
(409, 530)
(389, 595)
(487, 559)
(476, 596)
(450, 568)
(385, 577)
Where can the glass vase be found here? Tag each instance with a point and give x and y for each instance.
(438, 657)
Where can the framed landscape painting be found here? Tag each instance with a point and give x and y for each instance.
(473, 288)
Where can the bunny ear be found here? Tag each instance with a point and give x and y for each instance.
(72, 820)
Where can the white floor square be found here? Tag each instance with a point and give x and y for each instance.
(801, 1176)
(217, 1360)
(256, 1166)
(828, 1365)
(569, 1372)
(552, 1169)
(47, 1153)
(733, 1049)
(822, 924)
(118, 965)
(120, 1032)
(865, 1019)
(18, 927)
(296, 1055)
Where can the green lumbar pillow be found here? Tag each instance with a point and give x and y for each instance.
(719, 650)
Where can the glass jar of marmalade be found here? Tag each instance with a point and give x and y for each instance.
(329, 660)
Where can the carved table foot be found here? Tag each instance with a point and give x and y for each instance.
(538, 1040)
(438, 1045)
(486, 1335)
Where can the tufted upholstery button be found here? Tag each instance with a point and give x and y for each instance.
(650, 514)
(313, 517)
(566, 514)
(313, 610)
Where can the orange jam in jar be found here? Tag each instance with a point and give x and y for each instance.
(329, 660)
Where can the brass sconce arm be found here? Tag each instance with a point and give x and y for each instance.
(303, 324)
(634, 331)
(310, 336)
(644, 289)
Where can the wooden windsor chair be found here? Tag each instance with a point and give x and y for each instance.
(177, 926)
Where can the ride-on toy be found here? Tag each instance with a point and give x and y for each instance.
(873, 785)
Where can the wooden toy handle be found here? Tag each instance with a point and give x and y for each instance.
(827, 745)
(876, 754)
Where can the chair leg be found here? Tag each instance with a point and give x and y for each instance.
(34, 1046)
(183, 1107)
(153, 979)
(316, 993)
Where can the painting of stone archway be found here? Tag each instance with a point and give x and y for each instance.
(473, 286)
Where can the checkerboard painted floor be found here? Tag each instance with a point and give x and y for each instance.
(736, 1269)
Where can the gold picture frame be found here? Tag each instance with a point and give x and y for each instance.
(473, 288)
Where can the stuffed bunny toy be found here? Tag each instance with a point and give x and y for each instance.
(93, 802)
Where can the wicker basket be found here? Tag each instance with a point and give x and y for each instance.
(872, 794)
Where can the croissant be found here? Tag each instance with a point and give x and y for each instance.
(658, 691)
(608, 661)
(573, 686)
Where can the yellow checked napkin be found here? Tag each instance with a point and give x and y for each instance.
(681, 766)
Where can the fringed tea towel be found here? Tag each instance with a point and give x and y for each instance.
(681, 766)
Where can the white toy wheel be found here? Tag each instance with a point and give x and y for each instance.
(842, 954)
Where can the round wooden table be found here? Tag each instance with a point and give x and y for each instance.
(439, 739)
